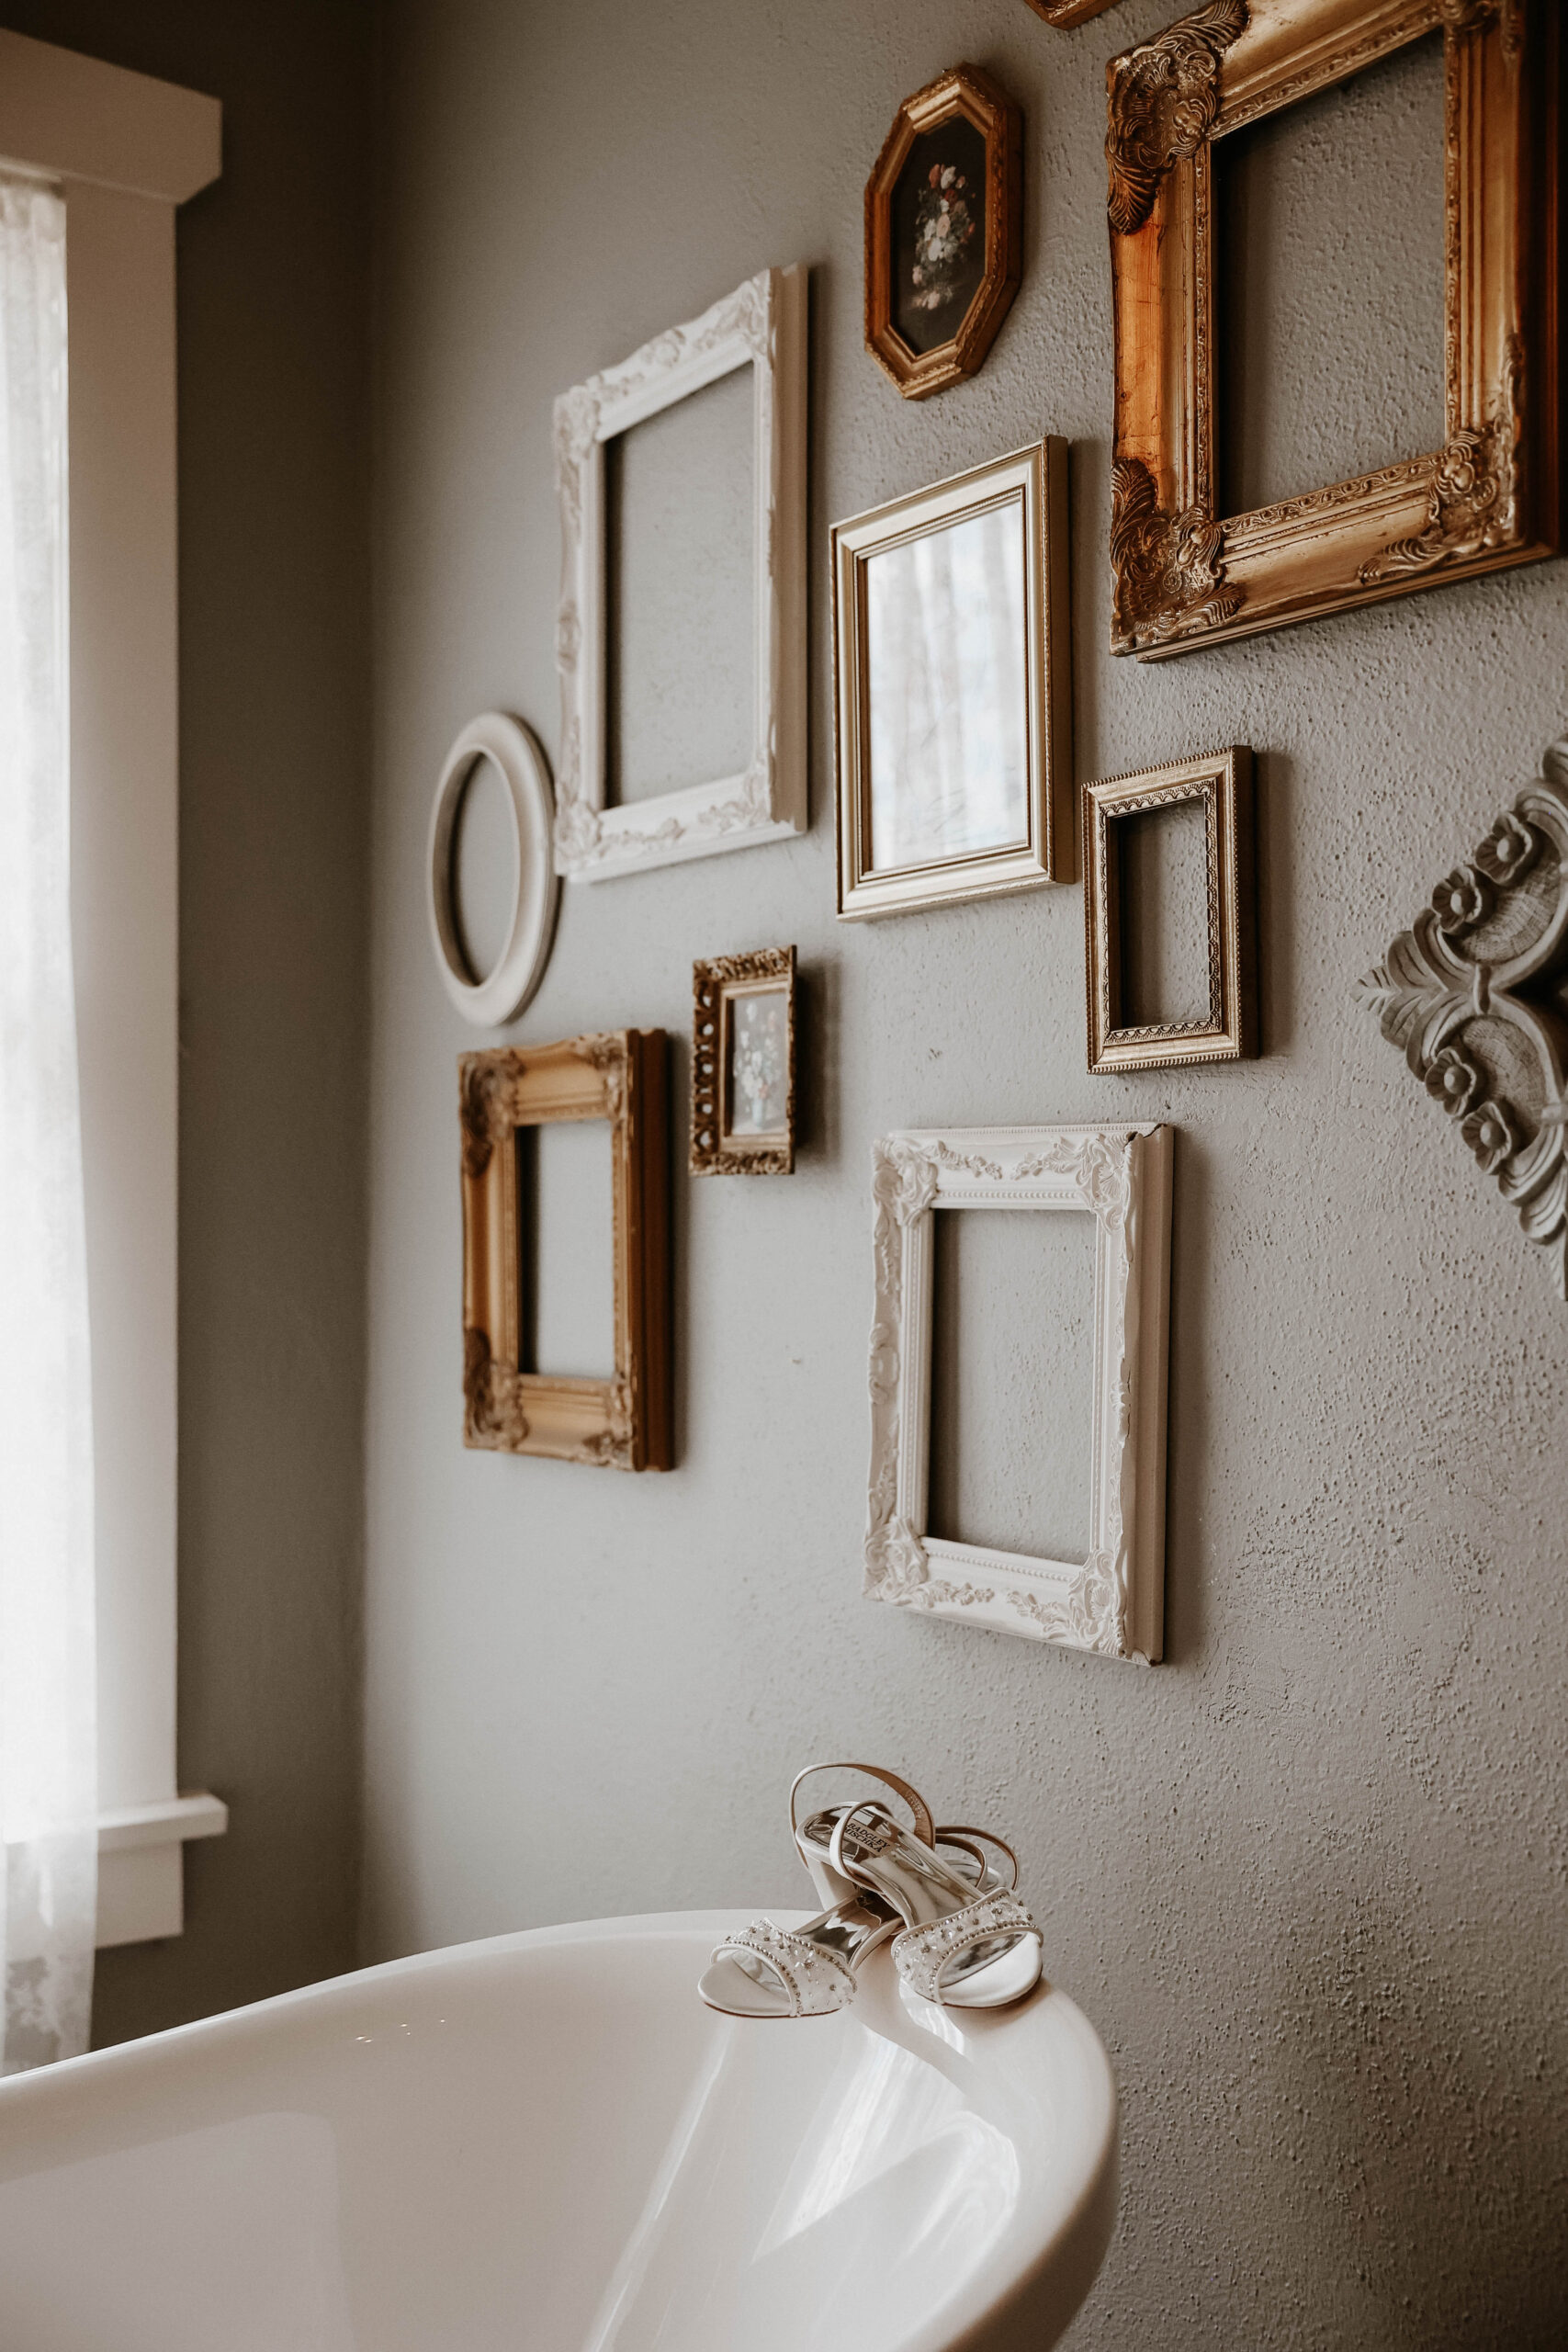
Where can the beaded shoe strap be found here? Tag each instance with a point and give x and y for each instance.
(920, 1954)
(815, 1980)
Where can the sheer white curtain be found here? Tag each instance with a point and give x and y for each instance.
(48, 1697)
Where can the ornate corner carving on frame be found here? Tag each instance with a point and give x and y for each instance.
(1476, 995)
(1164, 97)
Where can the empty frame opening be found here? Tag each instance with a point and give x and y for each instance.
(1162, 897)
(484, 863)
(1012, 1381)
(567, 1324)
(679, 581)
(1328, 284)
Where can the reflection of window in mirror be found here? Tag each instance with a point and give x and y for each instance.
(1329, 284)
(680, 529)
(1012, 1381)
(484, 869)
(1162, 886)
(947, 669)
(566, 1254)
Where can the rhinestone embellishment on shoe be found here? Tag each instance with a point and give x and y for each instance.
(920, 1954)
(815, 1980)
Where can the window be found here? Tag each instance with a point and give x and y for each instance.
(124, 151)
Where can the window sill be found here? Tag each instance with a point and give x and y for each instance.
(140, 1871)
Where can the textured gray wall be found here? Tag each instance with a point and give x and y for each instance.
(1307, 1877)
(274, 318)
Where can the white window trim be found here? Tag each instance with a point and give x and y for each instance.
(125, 150)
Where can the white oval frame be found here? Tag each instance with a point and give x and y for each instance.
(516, 754)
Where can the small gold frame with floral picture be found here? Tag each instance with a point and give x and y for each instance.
(1223, 783)
(743, 1010)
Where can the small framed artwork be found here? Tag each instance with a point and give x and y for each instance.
(760, 328)
(743, 1064)
(943, 231)
(1225, 1029)
(1112, 1600)
(1187, 572)
(953, 694)
(622, 1422)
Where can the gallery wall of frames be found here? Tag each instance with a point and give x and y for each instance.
(952, 760)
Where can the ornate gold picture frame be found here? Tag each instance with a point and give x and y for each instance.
(952, 690)
(623, 1423)
(1492, 495)
(943, 231)
(743, 1064)
(1222, 783)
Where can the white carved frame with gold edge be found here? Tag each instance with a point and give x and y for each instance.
(763, 325)
(1113, 1601)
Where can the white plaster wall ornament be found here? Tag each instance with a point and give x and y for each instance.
(514, 751)
(1476, 995)
(762, 326)
(1112, 1601)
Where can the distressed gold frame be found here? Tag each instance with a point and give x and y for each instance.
(1038, 476)
(624, 1422)
(963, 90)
(715, 1149)
(1222, 782)
(1492, 495)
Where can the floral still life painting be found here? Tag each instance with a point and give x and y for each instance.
(940, 234)
(759, 1064)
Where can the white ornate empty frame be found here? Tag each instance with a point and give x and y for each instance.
(1113, 1601)
(762, 326)
(514, 753)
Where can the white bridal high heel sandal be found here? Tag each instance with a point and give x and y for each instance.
(766, 1971)
(966, 1948)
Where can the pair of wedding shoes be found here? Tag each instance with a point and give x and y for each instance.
(961, 1935)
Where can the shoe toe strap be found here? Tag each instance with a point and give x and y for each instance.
(921, 1955)
(815, 1980)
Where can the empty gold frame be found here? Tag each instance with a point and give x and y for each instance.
(943, 231)
(743, 1064)
(1222, 783)
(1492, 495)
(951, 690)
(624, 1422)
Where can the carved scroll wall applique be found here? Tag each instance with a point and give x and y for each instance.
(1184, 572)
(1476, 995)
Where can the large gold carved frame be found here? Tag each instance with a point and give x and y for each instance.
(623, 1423)
(1493, 494)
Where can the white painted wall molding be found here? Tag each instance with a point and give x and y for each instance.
(78, 119)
